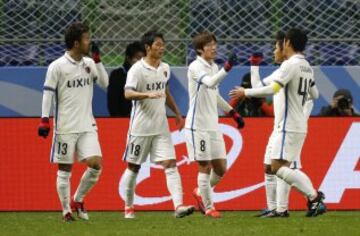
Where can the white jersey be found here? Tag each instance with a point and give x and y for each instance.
(148, 116)
(73, 85)
(278, 98)
(203, 100)
(295, 76)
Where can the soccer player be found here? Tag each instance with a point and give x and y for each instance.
(204, 141)
(70, 82)
(294, 83)
(277, 191)
(147, 86)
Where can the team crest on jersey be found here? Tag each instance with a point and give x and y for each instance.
(87, 69)
(165, 73)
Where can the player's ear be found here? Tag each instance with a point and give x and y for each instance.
(147, 47)
(76, 44)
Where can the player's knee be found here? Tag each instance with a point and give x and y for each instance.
(204, 166)
(94, 163)
(274, 168)
(268, 169)
(220, 171)
(133, 167)
(219, 166)
(65, 167)
(168, 164)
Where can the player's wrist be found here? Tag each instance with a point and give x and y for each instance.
(232, 112)
(45, 120)
(96, 57)
(227, 66)
(95, 52)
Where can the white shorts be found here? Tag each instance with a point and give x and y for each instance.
(160, 148)
(285, 146)
(205, 145)
(64, 147)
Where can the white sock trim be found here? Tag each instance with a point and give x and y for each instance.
(205, 190)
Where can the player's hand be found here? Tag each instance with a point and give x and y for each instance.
(256, 59)
(237, 93)
(44, 127)
(232, 60)
(179, 121)
(238, 119)
(95, 52)
(156, 95)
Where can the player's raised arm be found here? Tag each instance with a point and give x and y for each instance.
(211, 81)
(285, 75)
(102, 77)
(255, 61)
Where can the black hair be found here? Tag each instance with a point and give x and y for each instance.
(149, 38)
(133, 48)
(279, 38)
(297, 38)
(74, 33)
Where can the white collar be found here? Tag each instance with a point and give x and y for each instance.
(147, 66)
(67, 56)
(203, 61)
(298, 55)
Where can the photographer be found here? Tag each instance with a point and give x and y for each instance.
(118, 106)
(341, 105)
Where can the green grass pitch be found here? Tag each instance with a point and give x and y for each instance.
(163, 223)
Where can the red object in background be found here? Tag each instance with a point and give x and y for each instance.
(27, 179)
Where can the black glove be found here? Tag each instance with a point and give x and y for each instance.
(44, 127)
(95, 52)
(238, 119)
(232, 60)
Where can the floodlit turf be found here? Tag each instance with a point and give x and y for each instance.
(163, 223)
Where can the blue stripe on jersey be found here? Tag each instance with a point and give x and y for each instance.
(285, 119)
(126, 149)
(282, 145)
(56, 108)
(295, 165)
(133, 115)
(130, 128)
(193, 141)
(193, 118)
(200, 79)
(53, 149)
(48, 88)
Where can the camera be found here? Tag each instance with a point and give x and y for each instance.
(344, 103)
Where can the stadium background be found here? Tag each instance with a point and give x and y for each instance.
(31, 35)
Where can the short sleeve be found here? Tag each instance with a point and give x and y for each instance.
(286, 73)
(132, 79)
(196, 73)
(52, 77)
